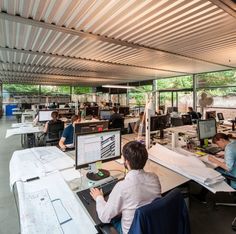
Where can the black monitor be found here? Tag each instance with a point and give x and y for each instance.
(159, 122)
(92, 110)
(124, 110)
(25, 106)
(210, 114)
(105, 114)
(187, 119)
(220, 116)
(95, 147)
(86, 127)
(206, 129)
(44, 115)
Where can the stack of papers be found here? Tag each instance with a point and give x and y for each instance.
(188, 166)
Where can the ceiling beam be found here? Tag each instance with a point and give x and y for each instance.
(90, 36)
(225, 7)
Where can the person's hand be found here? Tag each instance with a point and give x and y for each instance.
(220, 155)
(95, 192)
(63, 148)
(212, 159)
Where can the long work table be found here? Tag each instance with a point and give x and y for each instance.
(46, 182)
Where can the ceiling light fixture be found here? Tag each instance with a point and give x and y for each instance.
(119, 86)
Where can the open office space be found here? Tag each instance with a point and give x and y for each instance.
(81, 79)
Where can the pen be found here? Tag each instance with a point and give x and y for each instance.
(33, 178)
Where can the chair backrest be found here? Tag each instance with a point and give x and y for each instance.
(118, 123)
(166, 215)
(55, 130)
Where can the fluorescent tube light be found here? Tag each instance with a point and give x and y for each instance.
(119, 86)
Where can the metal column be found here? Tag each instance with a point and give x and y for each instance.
(194, 92)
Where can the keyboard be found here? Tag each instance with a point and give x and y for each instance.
(88, 201)
(212, 150)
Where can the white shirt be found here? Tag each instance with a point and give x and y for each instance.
(137, 189)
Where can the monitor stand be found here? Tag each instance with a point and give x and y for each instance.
(97, 174)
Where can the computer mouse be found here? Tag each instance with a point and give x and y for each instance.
(100, 173)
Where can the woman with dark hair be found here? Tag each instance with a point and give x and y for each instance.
(137, 189)
(229, 165)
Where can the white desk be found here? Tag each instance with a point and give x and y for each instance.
(23, 130)
(54, 168)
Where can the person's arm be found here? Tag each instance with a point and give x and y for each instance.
(218, 163)
(62, 143)
(45, 130)
(108, 210)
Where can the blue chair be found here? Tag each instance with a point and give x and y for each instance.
(166, 215)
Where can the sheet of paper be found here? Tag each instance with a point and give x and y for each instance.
(67, 208)
(189, 166)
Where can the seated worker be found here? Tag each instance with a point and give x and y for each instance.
(54, 119)
(137, 189)
(140, 121)
(193, 113)
(223, 141)
(115, 118)
(67, 138)
(53, 105)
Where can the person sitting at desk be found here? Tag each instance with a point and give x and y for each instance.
(223, 141)
(193, 113)
(140, 123)
(137, 189)
(67, 138)
(116, 118)
(54, 119)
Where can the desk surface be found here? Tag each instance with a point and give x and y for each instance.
(41, 162)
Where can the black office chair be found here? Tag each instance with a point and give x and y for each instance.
(166, 215)
(187, 119)
(54, 133)
(117, 123)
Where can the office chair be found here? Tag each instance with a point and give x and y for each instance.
(187, 119)
(55, 130)
(166, 215)
(117, 123)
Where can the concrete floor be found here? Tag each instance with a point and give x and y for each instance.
(8, 213)
(203, 219)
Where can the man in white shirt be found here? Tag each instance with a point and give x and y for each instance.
(137, 189)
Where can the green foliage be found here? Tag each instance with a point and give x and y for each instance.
(82, 90)
(139, 96)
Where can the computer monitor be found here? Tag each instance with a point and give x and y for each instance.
(87, 127)
(44, 115)
(210, 114)
(220, 116)
(105, 114)
(159, 122)
(187, 119)
(124, 110)
(206, 129)
(26, 106)
(95, 147)
(92, 110)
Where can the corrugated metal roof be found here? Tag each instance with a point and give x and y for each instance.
(91, 42)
